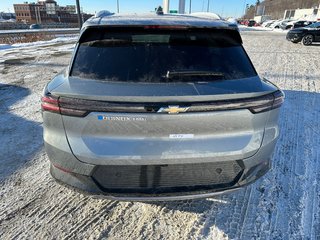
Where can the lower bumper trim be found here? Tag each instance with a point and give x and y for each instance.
(85, 185)
(167, 198)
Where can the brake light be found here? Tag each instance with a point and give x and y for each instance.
(165, 27)
(52, 104)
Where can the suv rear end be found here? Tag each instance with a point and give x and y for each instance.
(159, 108)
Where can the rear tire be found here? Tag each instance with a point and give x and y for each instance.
(307, 40)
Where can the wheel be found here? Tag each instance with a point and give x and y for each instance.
(307, 40)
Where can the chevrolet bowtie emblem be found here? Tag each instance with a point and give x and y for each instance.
(173, 109)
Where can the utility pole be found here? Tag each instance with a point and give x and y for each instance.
(166, 4)
(38, 15)
(37, 21)
(79, 14)
(118, 6)
(190, 5)
(208, 7)
(244, 7)
(182, 6)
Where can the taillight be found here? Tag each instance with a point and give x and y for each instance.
(275, 102)
(255, 105)
(52, 104)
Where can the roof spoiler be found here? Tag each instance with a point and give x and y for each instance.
(103, 13)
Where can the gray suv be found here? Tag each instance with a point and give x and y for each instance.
(159, 107)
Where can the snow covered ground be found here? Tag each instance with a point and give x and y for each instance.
(285, 204)
(57, 40)
(244, 28)
(17, 31)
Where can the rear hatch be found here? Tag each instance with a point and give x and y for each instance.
(153, 95)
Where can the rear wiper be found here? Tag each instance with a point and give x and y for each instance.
(173, 74)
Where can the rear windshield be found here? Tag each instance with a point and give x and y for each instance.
(161, 55)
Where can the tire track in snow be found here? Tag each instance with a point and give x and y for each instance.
(285, 204)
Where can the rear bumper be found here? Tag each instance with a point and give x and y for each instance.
(251, 169)
(85, 177)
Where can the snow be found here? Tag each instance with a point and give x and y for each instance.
(39, 43)
(284, 204)
(16, 31)
(232, 20)
(204, 20)
(206, 15)
(9, 20)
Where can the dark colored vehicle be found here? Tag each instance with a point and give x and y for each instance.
(306, 35)
(35, 26)
(251, 23)
(300, 24)
(159, 107)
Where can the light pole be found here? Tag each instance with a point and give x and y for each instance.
(208, 7)
(244, 7)
(190, 5)
(182, 6)
(79, 14)
(166, 4)
(118, 8)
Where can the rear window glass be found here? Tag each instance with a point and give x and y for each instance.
(159, 55)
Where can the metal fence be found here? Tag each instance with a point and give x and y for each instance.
(33, 35)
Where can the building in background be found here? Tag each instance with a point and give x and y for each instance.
(310, 14)
(46, 12)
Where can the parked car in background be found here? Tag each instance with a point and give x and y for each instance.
(244, 22)
(307, 35)
(35, 26)
(251, 23)
(302, 23)
(275, 24)
(159, 107)
(267, 23)
(295, 24)
(285, 25)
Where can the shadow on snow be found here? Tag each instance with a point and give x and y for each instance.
(20, 139)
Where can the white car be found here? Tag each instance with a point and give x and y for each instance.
(276, 24)
(267, 23)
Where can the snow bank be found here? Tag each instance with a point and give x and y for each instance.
(245, 28)
(39, 43)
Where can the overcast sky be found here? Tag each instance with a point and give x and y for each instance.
(226, 8)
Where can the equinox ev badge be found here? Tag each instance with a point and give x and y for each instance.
(121, 118)
(173, 109)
